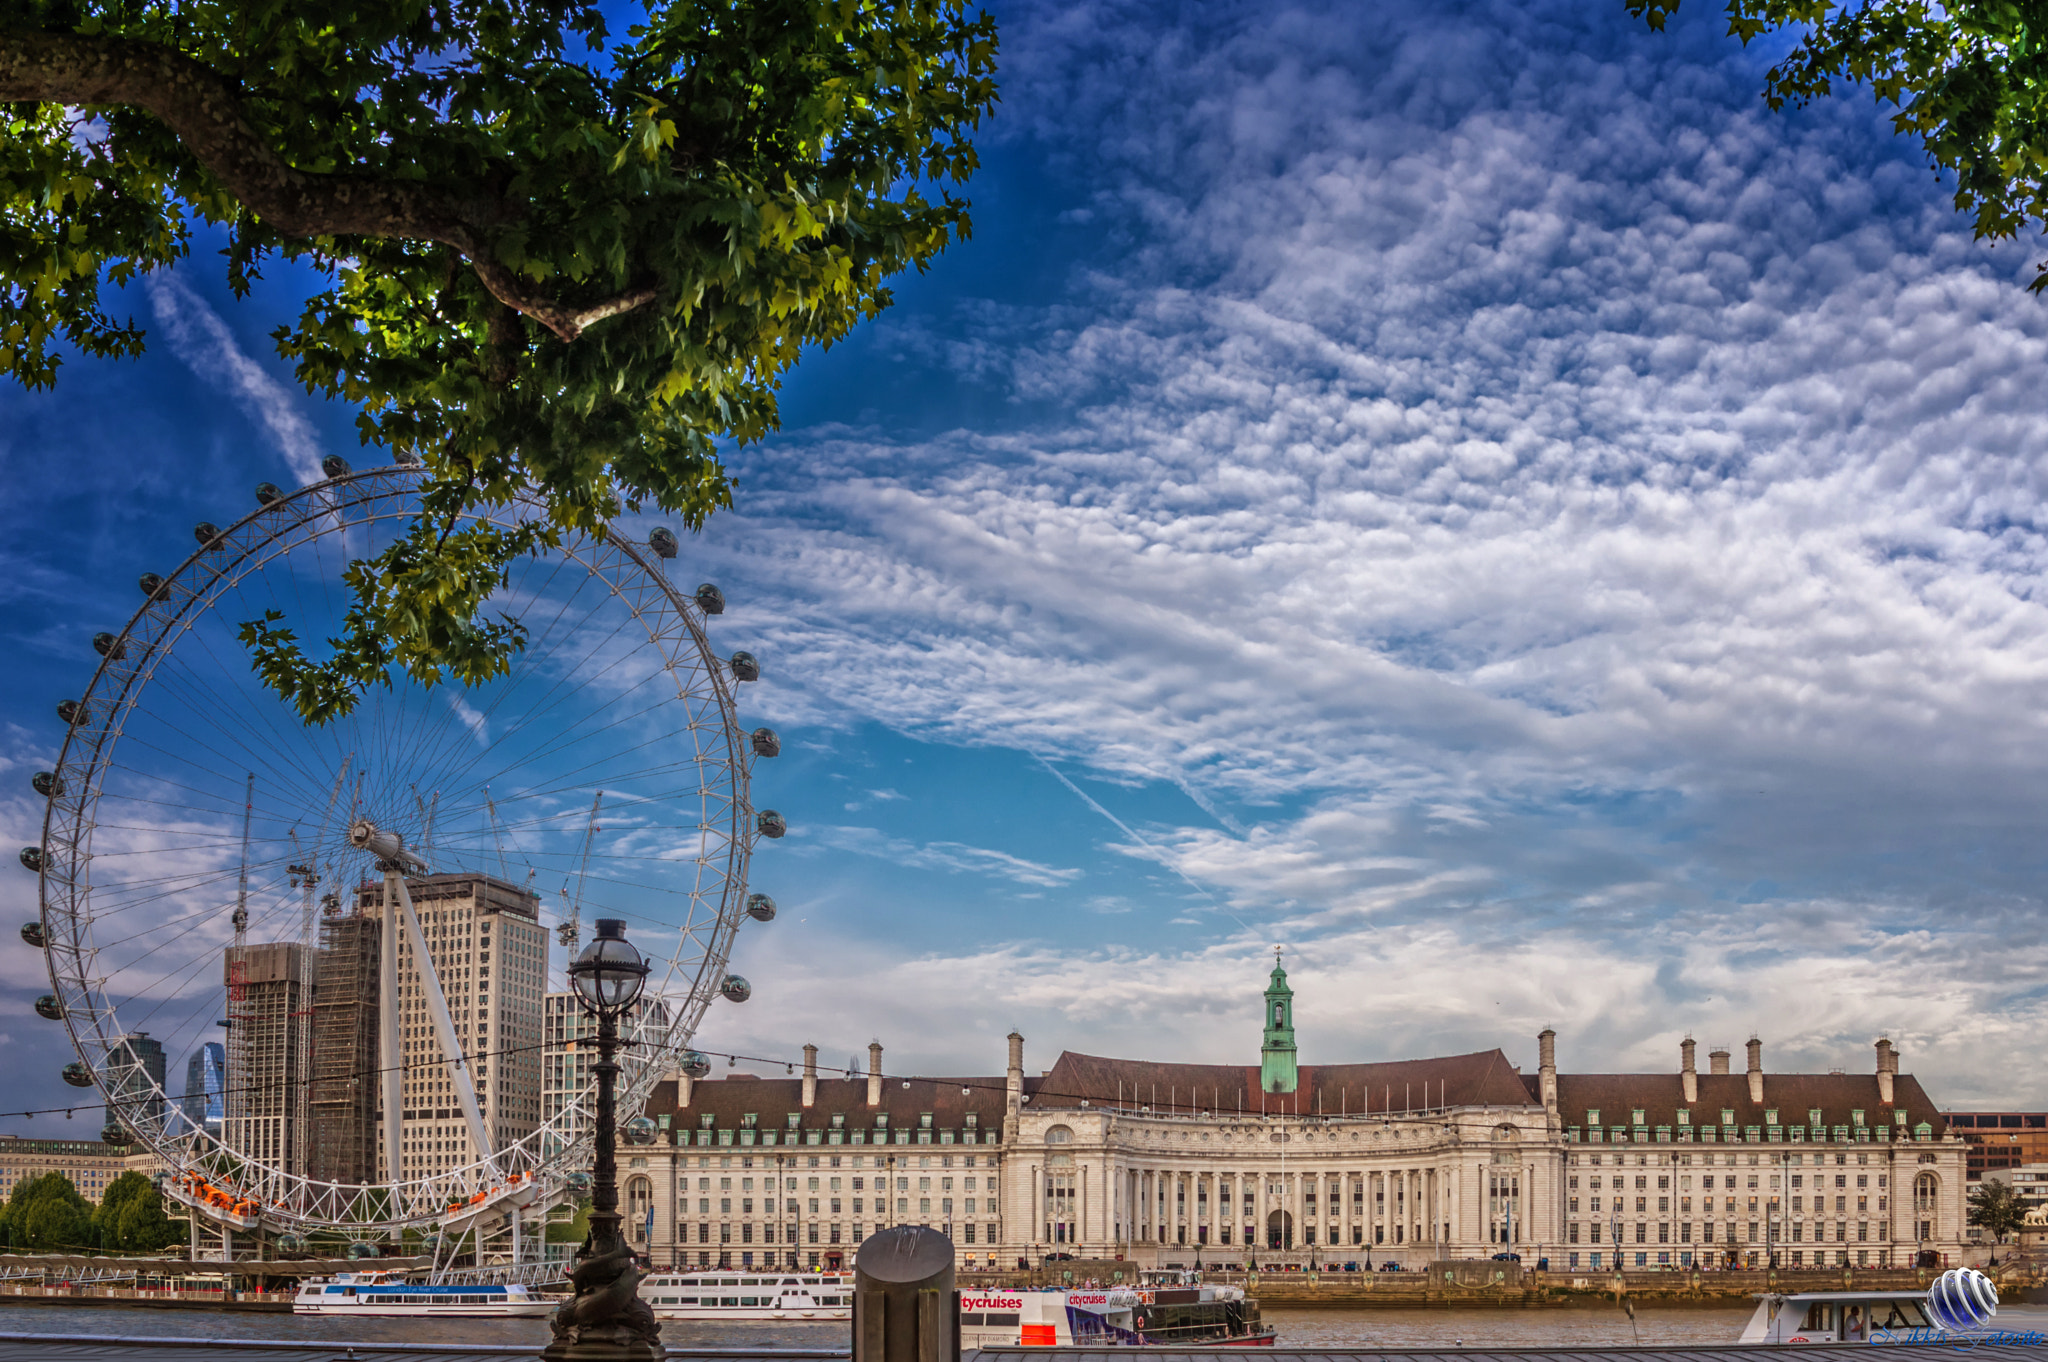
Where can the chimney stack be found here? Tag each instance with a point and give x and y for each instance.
(1756, 1071)
(1546, 1067)
(685, 1086)
(1013, 1089)
(1887, 1065)
(1688, 1075)
(874, 1073)
(1717, 1060)
(810, 1075)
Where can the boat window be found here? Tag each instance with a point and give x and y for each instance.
(750, 1300)
(1819, 1317)
(728, 1300)
(1897, 1315)
(791, 1281)
(970, 1317)
(1002, 1317)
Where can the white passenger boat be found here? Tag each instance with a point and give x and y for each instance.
(721, 1293)
(384, 1293)
(1843, 1317)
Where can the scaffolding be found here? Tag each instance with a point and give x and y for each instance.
(264, 1077)
(344, 1087)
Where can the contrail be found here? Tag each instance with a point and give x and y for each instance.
(1127, 830)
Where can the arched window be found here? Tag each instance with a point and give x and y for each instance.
(1059, 1135)
(1926, 1188)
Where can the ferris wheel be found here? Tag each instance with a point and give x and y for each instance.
(356, 928)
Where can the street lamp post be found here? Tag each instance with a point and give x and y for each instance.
(606, 1321)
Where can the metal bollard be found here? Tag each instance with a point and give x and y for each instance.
(904, 1306)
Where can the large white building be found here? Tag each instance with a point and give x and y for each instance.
(489, 952)
(1458, 1156)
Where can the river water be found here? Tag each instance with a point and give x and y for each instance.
(1603, 1325)
(1309, 1328)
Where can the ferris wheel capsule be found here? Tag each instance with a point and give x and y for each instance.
(710, 599)
(663, 541)
(761, 908)
(694, 1064)
(152, 586)
(207, 533)
(770, 823)
(113, 1132)
(77, 1075)
(74, 712)
(48, 1008)
(32, 932)
(765, 743)
(736, 989)
(46, 784)
(267, 492)
(640, 1130)
(109, 645)
(745, 666)
(32, 859)
(334, 466)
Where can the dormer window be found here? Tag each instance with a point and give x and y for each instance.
(924, 1120)
(839, 1120)
(1592, 1116)
(1856, 1117)
(1813, 1116)
(1770, 1116)
(1635, 1116)
(1685, 1116)
(1727, 1116)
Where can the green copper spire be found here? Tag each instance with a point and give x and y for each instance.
(1277, 1071)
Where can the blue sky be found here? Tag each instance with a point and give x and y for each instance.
(1465, 492)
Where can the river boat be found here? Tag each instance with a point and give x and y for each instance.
(722, 1293)
(1190, 1316)
(385, 1293)
(1843, 1317)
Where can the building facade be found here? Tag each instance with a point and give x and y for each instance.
(135, 1069)
(90, 1164)
(1159, 1163)
(1998, 1140)
(489, 952)
(570, 1049)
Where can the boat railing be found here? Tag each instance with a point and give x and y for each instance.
(501, 1274)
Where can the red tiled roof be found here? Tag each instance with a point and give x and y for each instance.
(1484, 1078)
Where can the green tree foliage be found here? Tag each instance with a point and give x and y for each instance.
(553, 256)
(1995, 1206)
(1969, 79)
(46, 1215)
(131, 1219)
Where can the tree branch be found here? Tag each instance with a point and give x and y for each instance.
(201, 108)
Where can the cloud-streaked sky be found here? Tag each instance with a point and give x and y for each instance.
(1465, 492)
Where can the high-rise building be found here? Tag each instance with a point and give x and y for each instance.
(135, 1068)
(268, 1001)
(204, 1102)
(343, 1100)
(489, 953)
(572, 1049)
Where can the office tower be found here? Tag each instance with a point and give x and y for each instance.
(489, 952)
(572, 1049)
(135, 1067)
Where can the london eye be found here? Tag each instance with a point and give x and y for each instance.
(365, 920)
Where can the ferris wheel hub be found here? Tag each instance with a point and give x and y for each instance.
(382, 843)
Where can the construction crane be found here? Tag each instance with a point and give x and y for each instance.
(572, 930)
(241, 917)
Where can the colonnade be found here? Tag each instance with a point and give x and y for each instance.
(1383, 1208)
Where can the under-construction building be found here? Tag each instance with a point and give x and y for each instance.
(344, 1091)
(269, 1000)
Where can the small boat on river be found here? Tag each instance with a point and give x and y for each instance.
(722, 1293)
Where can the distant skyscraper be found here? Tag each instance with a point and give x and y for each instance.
(136, 1067)
(205, 1082)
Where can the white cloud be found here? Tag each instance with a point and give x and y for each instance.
(955, 856)
(202, 340)
(1515, 483)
